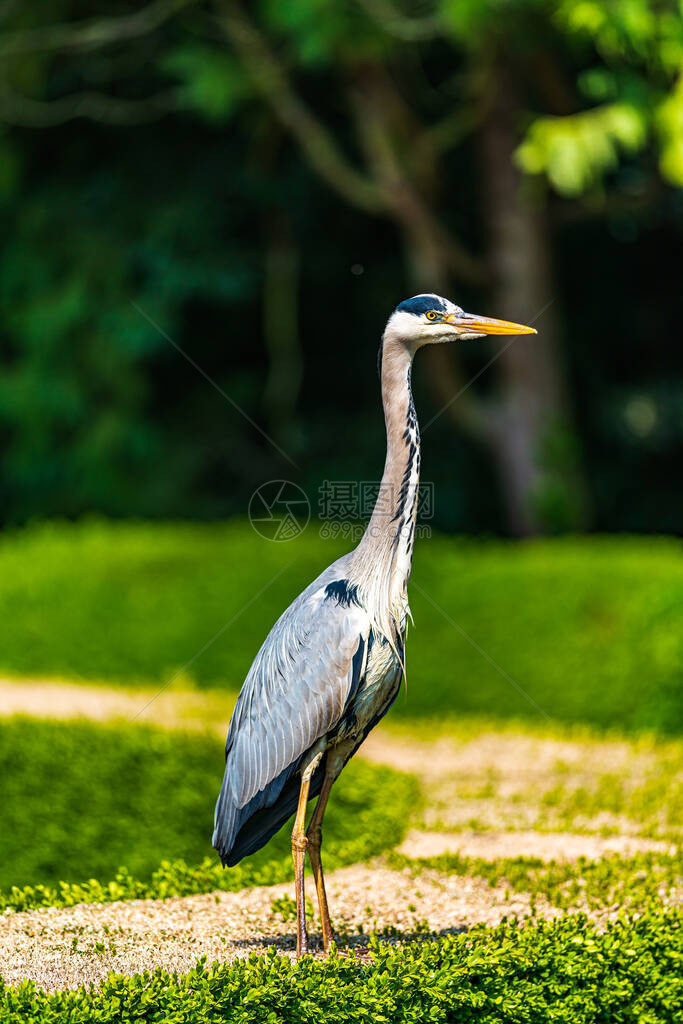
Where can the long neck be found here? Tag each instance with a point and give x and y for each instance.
(382, 561)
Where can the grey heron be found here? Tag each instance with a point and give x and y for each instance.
(332, 664)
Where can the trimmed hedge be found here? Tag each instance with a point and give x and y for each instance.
(590, 628)
(78, 799)
(566, 971)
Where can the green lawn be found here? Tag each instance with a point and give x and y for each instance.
(590, 629)
(79, 800)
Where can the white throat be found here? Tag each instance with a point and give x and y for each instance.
(382, 562)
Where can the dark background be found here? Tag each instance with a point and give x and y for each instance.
(145, 164)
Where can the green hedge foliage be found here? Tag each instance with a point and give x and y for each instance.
(568, 972)
(80, 799)
(591, 629)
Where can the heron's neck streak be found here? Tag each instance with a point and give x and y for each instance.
(382, 561)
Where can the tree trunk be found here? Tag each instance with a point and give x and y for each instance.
(531, 435)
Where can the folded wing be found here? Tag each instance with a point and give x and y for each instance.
(296, 691)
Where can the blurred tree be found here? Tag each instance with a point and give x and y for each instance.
(403, 152)
(507, 54)
(425, 96)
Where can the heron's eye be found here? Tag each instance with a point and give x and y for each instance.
(431, 315)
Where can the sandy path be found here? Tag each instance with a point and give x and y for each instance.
(43, 698)
(508, 757)
(62, 948)
(546, 846)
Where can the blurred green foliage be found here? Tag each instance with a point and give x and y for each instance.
(575, 152)
(579, 629)
(79, 800)
(640, 49)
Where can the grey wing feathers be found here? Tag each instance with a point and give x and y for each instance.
(296, 691)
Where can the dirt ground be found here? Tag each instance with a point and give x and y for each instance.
(62, 948)
(546, 846)
(45, 698)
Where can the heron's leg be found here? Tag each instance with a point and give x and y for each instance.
(299, 844)
(315, 838)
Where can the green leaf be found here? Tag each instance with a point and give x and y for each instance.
(670, 127)
(574, 152)
(213, 82)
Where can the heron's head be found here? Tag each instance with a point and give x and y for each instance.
(429, 319)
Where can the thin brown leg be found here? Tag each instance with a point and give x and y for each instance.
(299, 844)
(315, 838)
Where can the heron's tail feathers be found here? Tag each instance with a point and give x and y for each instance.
(239, 831)
(224, 821)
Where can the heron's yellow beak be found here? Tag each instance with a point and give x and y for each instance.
(469, 323)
